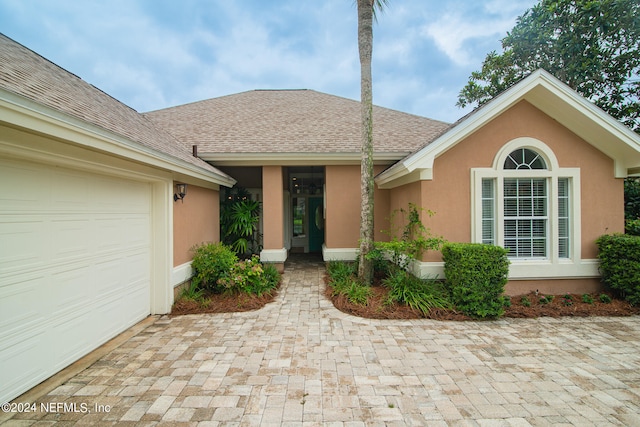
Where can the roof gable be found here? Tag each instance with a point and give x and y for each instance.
(552, 97)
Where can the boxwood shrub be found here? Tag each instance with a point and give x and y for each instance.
(476, 275)
(620, 264)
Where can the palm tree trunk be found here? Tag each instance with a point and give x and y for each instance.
(365, 47)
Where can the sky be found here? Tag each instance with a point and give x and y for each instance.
(154, 54)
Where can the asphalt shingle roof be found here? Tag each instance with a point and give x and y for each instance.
(291, 121)
(29, 75)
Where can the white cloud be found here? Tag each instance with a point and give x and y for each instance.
(153, 54)
(456, 30)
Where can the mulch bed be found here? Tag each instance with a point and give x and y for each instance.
(558, 307)
(376, 309)
(221, 303)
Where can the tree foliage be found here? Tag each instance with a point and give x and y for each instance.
(592, 45)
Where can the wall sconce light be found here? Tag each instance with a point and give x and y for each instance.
(182, 191)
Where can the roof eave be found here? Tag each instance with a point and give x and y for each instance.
(28, 114)
(295, 159)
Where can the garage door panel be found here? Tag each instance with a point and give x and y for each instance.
(69, 289)
(70, 335)
(24, 243)
(71, 192)
(17, 316)
(75, 267)
(70, 238)
(22, 364)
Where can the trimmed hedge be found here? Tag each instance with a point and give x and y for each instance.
(476, 275)
(620, 264)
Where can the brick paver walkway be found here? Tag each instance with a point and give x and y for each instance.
(299, 361)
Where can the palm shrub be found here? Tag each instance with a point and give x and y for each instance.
(476, 276)
(619, 256)
(239, 219)
(211, 262)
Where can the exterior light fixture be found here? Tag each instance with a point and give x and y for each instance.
(181, 192)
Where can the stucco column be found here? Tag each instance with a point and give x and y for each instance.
(273, 215)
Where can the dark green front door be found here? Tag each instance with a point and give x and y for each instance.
(316, 224)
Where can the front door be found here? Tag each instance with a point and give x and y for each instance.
(316, 224)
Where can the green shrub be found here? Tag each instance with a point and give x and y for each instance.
(414, 240)
(192, 293)
(544, 300)
(271, 275)
(248, 276)
(342, 279)
(340, 270)
(632, 226)
(354, 291)
(419, 294)
(476, 276)
(620, 264)
(211, 262)
(604, 298)
(587, 298)
(525, 301)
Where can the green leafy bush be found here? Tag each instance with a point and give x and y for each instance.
(419, 294)
(476, 276)
(248, 276)
(414, 239)
(620, 264)
(632, 226)
(587, 298)
(211, 262)
(217, 269)
(604, 298)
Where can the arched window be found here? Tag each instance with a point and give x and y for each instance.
(524, 203)
(524, 158)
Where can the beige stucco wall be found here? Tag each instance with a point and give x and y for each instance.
(449, 193)
(196, 219)
(342, 227)
(273, 207)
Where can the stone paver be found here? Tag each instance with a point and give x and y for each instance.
(299, 361)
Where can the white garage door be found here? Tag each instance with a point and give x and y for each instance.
(74, 267)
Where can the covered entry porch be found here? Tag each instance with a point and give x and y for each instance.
(293, 208)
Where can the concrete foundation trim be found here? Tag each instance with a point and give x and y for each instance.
(523, 270)
(273, 255)
(339, 254)
(181, 274)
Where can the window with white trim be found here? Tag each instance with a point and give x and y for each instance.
(525, 203)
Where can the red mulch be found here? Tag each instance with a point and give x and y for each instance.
(376, 309)
(558, 307)
(221, 303)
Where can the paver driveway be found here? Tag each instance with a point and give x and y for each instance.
(299, 361)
